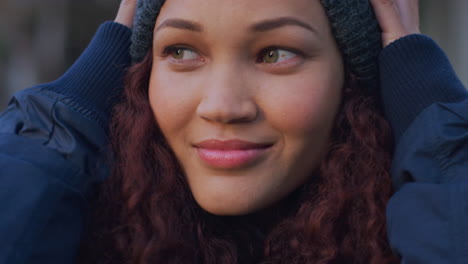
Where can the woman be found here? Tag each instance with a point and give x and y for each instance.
(244, 137)
(302, 214)
(252, 108)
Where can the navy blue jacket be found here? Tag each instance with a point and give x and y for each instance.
(53, 135)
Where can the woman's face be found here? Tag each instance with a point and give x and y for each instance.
(245, 92)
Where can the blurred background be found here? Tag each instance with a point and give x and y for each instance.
(40, 39)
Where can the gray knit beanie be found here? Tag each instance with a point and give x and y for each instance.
(353, 23)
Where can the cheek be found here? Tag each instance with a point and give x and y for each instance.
(173, 102)
(303, 110)
(305, 105)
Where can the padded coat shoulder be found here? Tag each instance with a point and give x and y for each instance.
(51, 142)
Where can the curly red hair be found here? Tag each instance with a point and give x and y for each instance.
(147, 214)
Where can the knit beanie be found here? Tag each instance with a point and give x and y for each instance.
(353, 23)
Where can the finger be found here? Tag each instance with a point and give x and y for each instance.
(409, 12)
(387, 14)
(126, 12)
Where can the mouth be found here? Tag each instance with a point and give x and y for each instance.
(231, 154)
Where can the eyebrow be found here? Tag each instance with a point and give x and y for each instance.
(271, 24)
(261, 26)
(180, 24)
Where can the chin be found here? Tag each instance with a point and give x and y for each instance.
(228, 207)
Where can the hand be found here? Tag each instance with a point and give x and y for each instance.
(397, 18)
(126, 12)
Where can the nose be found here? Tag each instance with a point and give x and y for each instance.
(227, 97)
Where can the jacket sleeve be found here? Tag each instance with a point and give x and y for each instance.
(427, 107)
(51, 142)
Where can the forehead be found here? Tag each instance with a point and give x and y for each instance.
(240, 13)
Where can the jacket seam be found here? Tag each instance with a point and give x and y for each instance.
(52, 129)
(69, 102)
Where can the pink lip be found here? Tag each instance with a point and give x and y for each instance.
(230, 154)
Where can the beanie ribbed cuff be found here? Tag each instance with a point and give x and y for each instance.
(358, 36)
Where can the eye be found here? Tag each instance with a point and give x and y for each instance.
(181, 53)
(275, 55)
